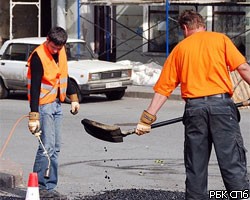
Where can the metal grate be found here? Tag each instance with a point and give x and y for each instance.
(111, 74)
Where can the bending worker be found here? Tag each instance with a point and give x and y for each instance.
(48, 83)
(201, 64)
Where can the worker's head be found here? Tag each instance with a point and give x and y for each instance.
(190, 22)
(56, 39)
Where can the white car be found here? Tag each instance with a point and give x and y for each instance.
(89, 75)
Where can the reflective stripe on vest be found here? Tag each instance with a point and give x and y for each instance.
(54, 78)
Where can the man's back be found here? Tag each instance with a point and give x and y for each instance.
(201, 63)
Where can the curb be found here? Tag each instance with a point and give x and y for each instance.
(11, 180)
(147, 92)
(146, 95)
(11, 174)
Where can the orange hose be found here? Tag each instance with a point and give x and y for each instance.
(11, 133)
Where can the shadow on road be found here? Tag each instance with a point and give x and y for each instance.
(20, 95)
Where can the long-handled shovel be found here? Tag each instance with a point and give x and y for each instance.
(113, 133)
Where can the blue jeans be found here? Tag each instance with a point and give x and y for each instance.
(50, 120)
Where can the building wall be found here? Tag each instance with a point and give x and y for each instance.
(4, 20)
(131, 35)
(24, 20)
(87, 24)
(71, 18)
(129, 32)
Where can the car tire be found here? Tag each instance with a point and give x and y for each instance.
(80, 97)
(115, 95)
(3, 90)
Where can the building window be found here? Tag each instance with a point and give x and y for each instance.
(157, 28)
(232, 22)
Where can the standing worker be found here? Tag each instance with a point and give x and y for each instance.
(48, 83)
(200, 63)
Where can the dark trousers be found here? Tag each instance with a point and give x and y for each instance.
(213, 121)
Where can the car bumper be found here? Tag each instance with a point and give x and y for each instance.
(104, 87)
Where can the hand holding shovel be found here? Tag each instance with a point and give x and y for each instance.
(113, 133)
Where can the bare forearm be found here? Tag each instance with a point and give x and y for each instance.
(156, 103)
(244, 71)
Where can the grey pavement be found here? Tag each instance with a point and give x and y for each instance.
(11, 174)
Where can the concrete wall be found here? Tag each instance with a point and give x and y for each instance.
(24, 20)
(133, 17)
(71, 18)
(130, 20)
(132, 42)
(4, 20)
(87, 25)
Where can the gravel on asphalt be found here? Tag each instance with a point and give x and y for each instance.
(136, 194)
(125, 194)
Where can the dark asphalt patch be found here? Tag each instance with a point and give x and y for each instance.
(136, 194)
(126, 194)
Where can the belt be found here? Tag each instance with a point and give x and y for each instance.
(216, 96)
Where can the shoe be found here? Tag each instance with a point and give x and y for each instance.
(51, 194)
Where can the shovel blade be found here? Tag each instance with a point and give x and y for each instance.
(108, 133)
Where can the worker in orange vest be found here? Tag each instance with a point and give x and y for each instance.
(48, 83)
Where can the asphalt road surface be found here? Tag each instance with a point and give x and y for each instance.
(88, 166)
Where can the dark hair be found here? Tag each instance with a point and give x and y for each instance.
(58, 36)
(191, 19)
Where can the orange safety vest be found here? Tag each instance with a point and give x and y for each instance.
(55, 75)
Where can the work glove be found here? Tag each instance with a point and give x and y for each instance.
(144, 125)
(34, 123)
(75, 106)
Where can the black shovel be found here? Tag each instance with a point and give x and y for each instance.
(113, 133)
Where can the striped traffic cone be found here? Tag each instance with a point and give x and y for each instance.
(33, 189)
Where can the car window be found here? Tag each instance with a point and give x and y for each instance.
(32, 48)
(16, 52)
(77, 51)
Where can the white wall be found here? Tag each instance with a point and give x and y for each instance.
(87, 25)
(127, 40)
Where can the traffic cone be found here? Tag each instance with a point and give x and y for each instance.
(33, 190)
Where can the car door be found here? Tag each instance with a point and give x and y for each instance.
(13, 66)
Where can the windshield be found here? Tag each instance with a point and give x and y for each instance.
(77, 51)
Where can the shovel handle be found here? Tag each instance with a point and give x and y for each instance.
(178, 119)
(166, 122)
(243, 103)
(155, 125)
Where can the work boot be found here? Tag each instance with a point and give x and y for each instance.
(51, 194)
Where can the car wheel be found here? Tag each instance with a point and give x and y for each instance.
(3, 90)
(115, 95)
(67, 99)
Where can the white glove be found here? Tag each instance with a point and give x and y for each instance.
(34, 123)
(142, 128)
(75, 106)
